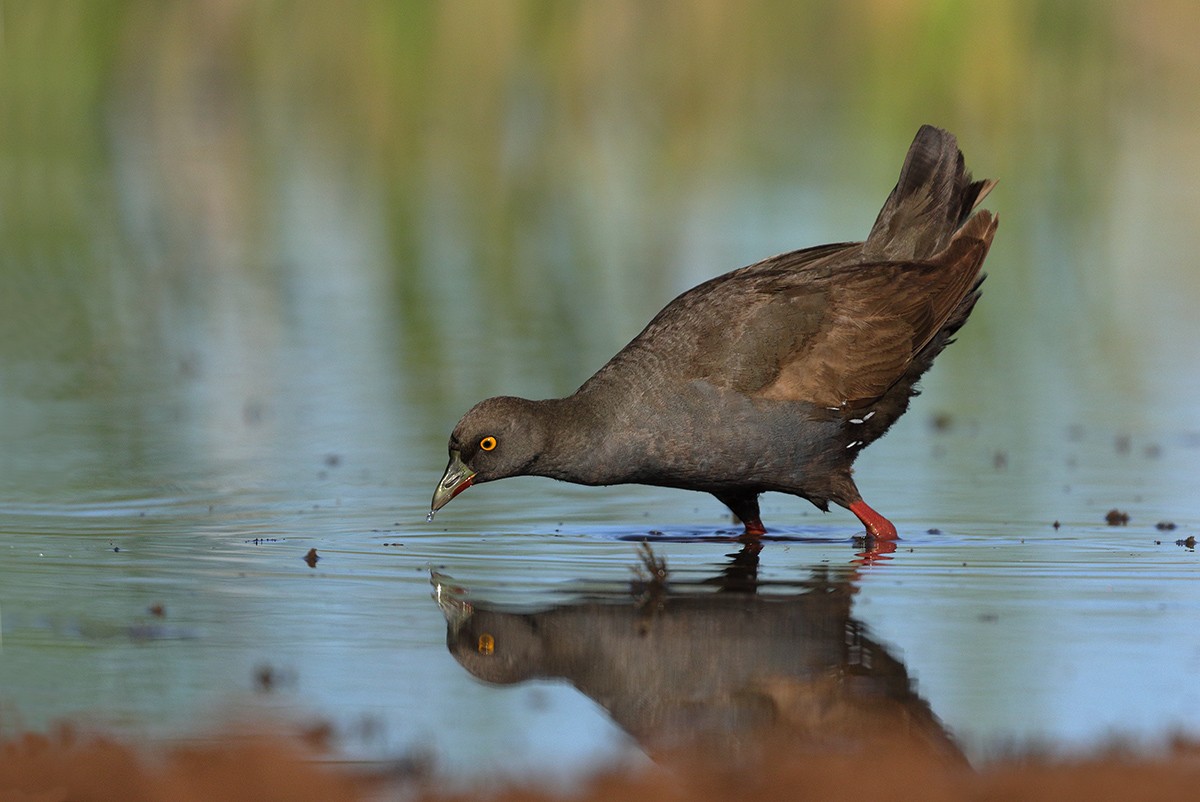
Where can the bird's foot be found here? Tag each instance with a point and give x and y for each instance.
(877, 526)
(754, 528)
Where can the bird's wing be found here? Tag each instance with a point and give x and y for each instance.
(732, 331)
(875, 319)
(815, 325)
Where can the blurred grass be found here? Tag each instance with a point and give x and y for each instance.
(535, 168)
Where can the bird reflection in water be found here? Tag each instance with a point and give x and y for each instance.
(729, 662)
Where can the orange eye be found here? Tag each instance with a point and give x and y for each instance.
(487, 443)
(487, 644)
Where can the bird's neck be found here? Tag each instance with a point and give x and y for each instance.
(577, 442)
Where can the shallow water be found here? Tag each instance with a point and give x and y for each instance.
(1014, 632)
(243, 308)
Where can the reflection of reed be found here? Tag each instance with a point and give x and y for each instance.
(676, 664)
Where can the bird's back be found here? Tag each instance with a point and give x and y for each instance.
(833, 325)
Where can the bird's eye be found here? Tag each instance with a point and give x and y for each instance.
(487, 443)
(487, 644)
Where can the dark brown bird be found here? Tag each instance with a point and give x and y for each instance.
(771, 377)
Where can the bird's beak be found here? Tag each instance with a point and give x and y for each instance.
(456, 479)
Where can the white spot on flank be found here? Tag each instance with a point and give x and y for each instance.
(869, 415)
(855, 443)
(857, 420)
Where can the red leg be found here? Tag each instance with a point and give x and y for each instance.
(754, 527)
(877, 526)
(745, 507)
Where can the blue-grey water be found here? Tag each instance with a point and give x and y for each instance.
(244, 298)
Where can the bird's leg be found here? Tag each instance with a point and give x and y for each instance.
(877, 526)
(754, 527)
(745, 507)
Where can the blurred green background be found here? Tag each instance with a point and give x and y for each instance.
(256, 258)
(493, 197)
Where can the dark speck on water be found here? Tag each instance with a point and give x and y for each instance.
(311, 558)
(1116, 518)
(252, 413)
(1188, 542)
(267, 678)
(1164, 526)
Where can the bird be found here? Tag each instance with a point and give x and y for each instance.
(770, 378)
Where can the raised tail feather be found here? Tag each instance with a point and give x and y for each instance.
(932, 199)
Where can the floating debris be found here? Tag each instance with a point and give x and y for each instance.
(268, 678)
(1116, 518)
(1188, 542)
(311, 558)
(651, 568)
(253, 412)
(1165, 526)
(650, 583)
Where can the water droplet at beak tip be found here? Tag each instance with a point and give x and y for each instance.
(429, 517)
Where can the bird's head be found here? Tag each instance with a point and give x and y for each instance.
(497, 438)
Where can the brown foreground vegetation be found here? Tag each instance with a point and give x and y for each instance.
(91, 768)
